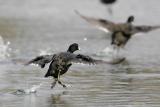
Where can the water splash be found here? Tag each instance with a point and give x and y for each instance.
(108, 51)
(31, 90)
(44, 52)
(111, 53)
(4, 49)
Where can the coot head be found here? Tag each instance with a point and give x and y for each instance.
(130, 19)
(73, 47)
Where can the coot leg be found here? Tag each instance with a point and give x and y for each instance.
(54, 83)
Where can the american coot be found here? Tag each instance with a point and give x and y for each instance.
(61, 62)
(121, 32)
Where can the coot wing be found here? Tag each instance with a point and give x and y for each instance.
(102, 24)
(143, 29)
(89, 60)
(41, 60)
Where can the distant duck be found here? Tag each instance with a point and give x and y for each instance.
(121, 32)
(61, 62)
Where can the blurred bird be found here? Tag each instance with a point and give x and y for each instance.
(108, 1)
(61, 62)
(109, 4)
(121, 32)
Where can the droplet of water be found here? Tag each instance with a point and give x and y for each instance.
(85, 39)
(4, 49)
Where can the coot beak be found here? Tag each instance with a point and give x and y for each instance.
(79, 48)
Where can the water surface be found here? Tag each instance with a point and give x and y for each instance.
(32, 27)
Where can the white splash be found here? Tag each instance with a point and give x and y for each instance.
(108, 51)
(112, 52)
(4, 49)
(44, 52)
(33, 89)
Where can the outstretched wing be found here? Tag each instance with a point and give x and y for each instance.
(102, 24)
(143, 29)
(41, 60)
(88, 60)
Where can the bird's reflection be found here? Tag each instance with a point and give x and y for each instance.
(57, 99)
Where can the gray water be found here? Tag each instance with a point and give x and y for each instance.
(34, 27)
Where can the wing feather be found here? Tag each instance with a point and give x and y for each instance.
(41, 60)
(102, 24)
(143, 28)
(89, 60)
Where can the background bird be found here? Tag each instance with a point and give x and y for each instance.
(121, 32)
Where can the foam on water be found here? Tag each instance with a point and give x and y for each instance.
(4, 49)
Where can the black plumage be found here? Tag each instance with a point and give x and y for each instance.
(108, 1)
(120, 39)
(61, 62)
(41, 60)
